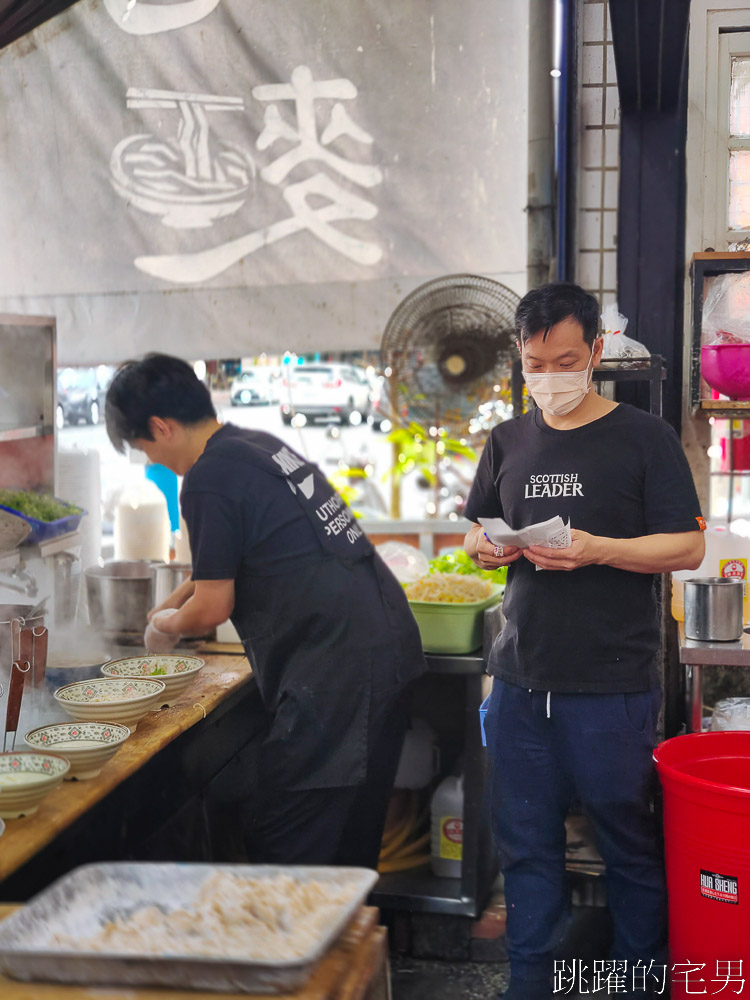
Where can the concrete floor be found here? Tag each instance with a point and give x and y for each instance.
(587, 938)
(415, 979)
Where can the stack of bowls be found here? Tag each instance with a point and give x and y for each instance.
(114, 699)
(26, 778)
(86, 745)
(175, 671)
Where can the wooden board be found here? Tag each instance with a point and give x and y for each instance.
(23, 838)
(355, 967)
(221, 649)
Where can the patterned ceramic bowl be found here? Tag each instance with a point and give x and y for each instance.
(114, 699)
(176, 672)
(87, 745)
(25, 779)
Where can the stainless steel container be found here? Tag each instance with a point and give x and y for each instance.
(713, 609)
(167, 577)
(120, 595)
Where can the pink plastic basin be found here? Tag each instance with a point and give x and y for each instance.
(726, 368)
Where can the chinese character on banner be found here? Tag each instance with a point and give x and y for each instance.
(652, 975)
(689, 975)
(729, 974)
(195, 179)
(570, 977)
(610, 977)
(139, 17)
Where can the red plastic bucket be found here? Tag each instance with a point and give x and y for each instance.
(706, 783)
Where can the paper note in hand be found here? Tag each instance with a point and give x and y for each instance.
(554, 534)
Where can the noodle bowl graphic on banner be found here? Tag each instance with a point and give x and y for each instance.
(191, 180)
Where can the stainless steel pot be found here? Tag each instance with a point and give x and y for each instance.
(120, 595)
(713, 609)
(167, 577)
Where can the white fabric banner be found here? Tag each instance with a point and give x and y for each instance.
(215, 177)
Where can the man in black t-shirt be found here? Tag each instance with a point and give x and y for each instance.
(326, 626)
(576, 696)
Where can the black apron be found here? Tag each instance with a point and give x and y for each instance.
(331, 644)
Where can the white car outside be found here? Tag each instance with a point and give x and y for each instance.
(332, 391)
(251, 387)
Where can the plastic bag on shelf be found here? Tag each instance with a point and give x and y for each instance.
(726, 310)
(731, 713)
(406, 562)
(620, 351)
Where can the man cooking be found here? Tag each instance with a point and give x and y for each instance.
(575, 699)
(325, 624)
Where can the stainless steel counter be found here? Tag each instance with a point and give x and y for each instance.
(719, 654)
(695, 656)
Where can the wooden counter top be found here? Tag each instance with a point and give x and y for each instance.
(355, 967)
(23, 838)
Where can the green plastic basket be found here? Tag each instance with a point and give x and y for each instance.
(453, 628)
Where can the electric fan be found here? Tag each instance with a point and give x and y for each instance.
(447, 345)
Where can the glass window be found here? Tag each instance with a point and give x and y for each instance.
(739, 97)
(739, 189)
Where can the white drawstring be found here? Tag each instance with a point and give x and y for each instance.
(549, 699)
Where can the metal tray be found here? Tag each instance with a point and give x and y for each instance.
(85, 899)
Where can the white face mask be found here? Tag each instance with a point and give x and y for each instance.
(558, 393)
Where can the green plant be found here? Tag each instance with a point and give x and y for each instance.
(421, 451)
(40, 506)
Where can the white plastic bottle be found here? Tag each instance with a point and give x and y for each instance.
(142, 523)
(727, 555)
(447, 831)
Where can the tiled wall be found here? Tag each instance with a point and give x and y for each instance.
(596, 260)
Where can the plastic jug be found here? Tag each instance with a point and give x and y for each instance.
(447, 830)
(727, 555)
(142, 523)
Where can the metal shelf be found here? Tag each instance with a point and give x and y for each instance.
(8, 433)
(419, 891)
(652, 370)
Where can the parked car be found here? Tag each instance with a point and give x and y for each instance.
(330, 391)
(251, 388)
(79, 396)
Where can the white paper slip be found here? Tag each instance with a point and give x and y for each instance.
(554, 534)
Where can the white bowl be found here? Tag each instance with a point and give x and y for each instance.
(176, 672)
(25, 779)
(86, 745)
(111, 699)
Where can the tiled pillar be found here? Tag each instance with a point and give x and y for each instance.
(596, 257)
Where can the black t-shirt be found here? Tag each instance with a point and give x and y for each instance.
(241, 519)
(625, 475)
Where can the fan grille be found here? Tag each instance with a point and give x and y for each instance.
(447, 345)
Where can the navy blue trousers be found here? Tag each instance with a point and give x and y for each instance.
(597, 748)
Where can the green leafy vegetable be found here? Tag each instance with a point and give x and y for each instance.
(158, 671)
(40, 506)
(458, 562)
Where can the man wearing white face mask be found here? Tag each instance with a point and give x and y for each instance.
(575, 697)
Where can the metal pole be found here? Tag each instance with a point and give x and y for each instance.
(541, 150)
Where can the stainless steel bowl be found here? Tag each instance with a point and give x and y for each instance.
(120, 595)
